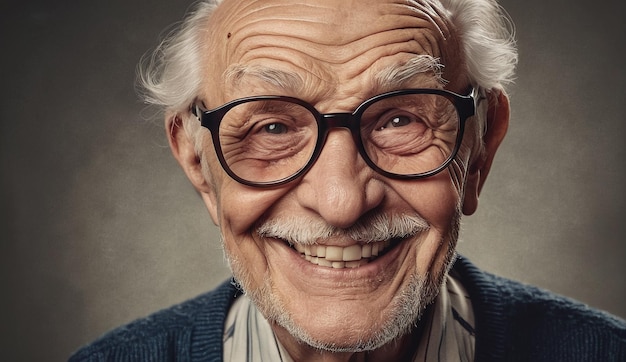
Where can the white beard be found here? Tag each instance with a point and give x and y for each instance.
(406, 309)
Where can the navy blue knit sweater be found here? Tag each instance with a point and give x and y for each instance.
(514, 322)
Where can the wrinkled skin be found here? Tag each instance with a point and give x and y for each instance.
(330, 52)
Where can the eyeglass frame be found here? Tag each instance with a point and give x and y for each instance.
(465, 106)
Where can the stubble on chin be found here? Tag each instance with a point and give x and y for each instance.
(405, 311)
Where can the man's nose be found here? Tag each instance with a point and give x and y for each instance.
(340, 187)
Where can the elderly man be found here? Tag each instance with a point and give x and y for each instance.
(336, 144)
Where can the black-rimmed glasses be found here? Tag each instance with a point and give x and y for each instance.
(271, 140)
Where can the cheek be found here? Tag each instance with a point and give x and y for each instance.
(237, 210)
(241, 209)
(237, 206)
(436, 199)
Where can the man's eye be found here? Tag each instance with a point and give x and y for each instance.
(275, 128)
(398, 121)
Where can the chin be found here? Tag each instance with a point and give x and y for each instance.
(336, 325)
(398, 319)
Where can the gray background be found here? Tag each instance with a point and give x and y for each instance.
(99, 226)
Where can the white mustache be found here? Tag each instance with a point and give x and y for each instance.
(378, 227)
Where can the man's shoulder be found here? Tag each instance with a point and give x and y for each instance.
(194, 326)
(516, 319)
(519, 300)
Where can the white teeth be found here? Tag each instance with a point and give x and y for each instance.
(339, 257)
(324, 262)
(334, 253)
(321, 251)
(352, 253)
(366, 251)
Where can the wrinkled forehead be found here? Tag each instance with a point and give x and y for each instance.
(324, 39)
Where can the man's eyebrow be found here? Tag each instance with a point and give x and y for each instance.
(407, 74)
(235, 74)
(398, 76)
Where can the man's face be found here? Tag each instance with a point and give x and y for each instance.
(334, 51)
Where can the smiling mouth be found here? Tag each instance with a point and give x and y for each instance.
(339, 257)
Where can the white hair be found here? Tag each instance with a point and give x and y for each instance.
(487, 39)
(170, 78)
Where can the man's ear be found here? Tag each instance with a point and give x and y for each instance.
(497, 123)
(184, 151)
